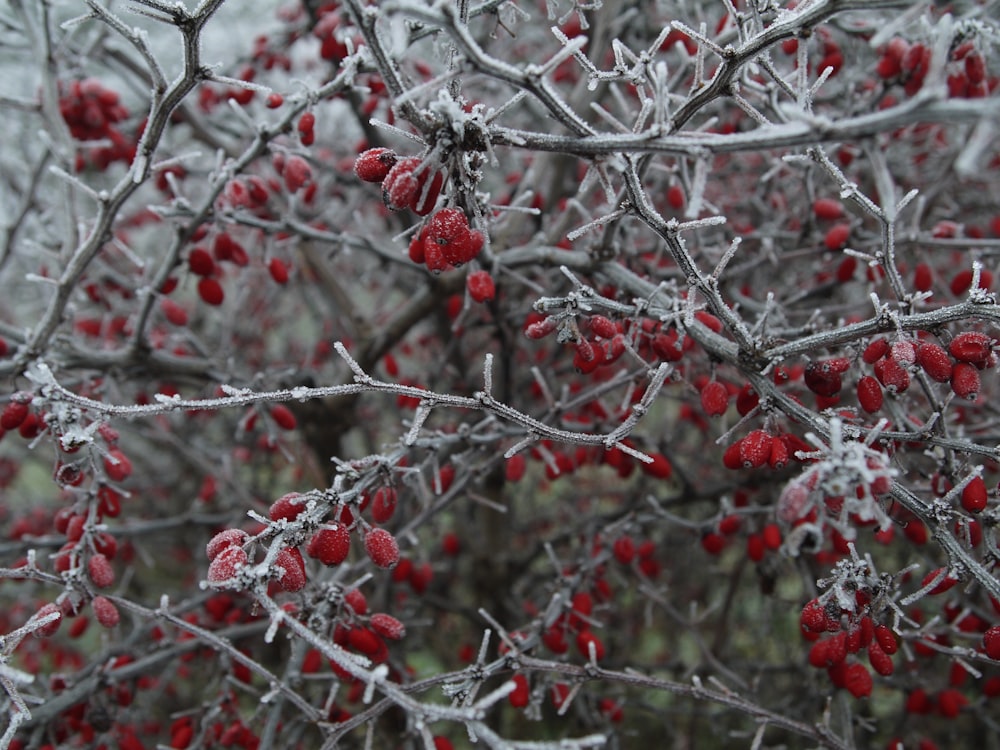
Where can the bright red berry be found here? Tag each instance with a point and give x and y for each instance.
(755, 449)
(714, 398)
(330, 545)
(211, 292)
(935, 361)
(382, 548)
(297, 173)
(858, 680)
(965, 381)
(991, 642)
(100, 571)
(294, 576)
(828, 208)
(105, 611)
(226, 538)
(974, 496)
(480, 286)
(287, 507)
(387, 626)
(283, 417)
(225, 565)
(374, 164)
(972, 347)
(117, 465)
(869, 394)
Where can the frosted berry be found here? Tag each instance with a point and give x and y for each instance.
(297, 173)
(105, 611)
(50, 628)
(374, 164)
(885, 638)
(387, 626)
(480, 286)
(858, 680)
(972, 347)
(224, 539)
(15, 412)
(892, 375)
(287, 507)
(283, 417)
(226, 564)
(965, 381)
(330, 545)
(382, 548)
(100, 571)
(755, 449)
(875, 350)
(714, 398)
(294, 576)
(828, 208)
(399, 188)
(117, 465)
(869, 394)
(879, 659)
(934, 360)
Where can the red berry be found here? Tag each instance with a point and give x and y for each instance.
(837, 236)
(399, 187)
(226, 563)
(879, 659)
(374, 164)
(515, 467)
(828, 208)
(892, 375)
(755, 449)
(287, 507)
(869, 394)
(935, 361)
(307, 122)
(105, 611)
(117, 465)
(584, 640)
(972, 347)
(858, 680)
(946, 581)
(210, 291)
(521, 693)
(822, 379)
(274, 100)
(50, 628)
(383, 504)
(991, 642)
(974, 496)
(923, 277)
(480, 286)
(200, 262)
(278, 270)
(387, 626)
(624, 550)
(330, 545)
(283, 417)
(14, 413)
(174, 312)
(875, 350)
(294, 576)
(382, 548)
(297, 173)
(224, 539)
(713, 543)
(659, 468)
(965, 381)
(714, 398)
(100, 571)
(886, 639)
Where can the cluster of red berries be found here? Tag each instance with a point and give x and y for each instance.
(445, 241)
(831, 653)
(91, 111)
(406, 183)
